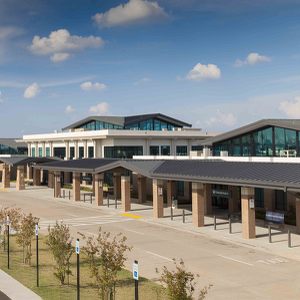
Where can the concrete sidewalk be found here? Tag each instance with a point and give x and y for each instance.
(14, 290)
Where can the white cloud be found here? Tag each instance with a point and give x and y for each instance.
(224, 119)
(61, 43)
(253, 58)
(202, 72)
(31, 91)
(291, 108)
(100, 108)
(90, 86)
(69, 109)
(58, 57)
(130, 12)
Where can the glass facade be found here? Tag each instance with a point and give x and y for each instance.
(47, 151)
(33, 152)
(181, 150)
(99, 125)
(280, 200)
(90, 152)
(151, 124)
(40, 151)
(197, 148)
(5, 149)
(268, 141)
(154, 150)
(59, 152)
(122, 151)
(259, 198)
(165, 150)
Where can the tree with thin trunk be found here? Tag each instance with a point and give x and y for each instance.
(59, 242)
(106, 255)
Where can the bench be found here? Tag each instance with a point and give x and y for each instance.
(274, 218)
(88, 194)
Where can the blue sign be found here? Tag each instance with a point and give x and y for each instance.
(135, 271)
(77, 248)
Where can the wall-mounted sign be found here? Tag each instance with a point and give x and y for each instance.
(87, 178)
(251, 203)
(220, 193)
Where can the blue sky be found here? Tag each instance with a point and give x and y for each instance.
(216, 64)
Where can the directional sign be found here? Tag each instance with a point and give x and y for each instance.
(135, 270)
(77, 248)
(36, 229)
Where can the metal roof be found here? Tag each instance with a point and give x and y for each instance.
(284, 123)
(11, 142)
(257, 174)
(24, 160)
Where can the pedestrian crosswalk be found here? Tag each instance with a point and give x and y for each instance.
(85, 221)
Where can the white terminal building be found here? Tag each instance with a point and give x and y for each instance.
(119, 137)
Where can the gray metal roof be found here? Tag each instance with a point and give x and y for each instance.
(11, 142)
(284, 123)
(268, 175)
(24, 160)
(272, 175)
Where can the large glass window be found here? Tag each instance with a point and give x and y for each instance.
(122, 151)
(165, 150)
(180, 188)
(259, 198)
(181, 150)
(236, 147)
(72, 152)
(91, 152)
(99, 125)
(47, 151)
(33, 152)
(285, 139)
(154, 150)
(81, 152)
(263, 142)
(40, 151)
(59, 152)
(280, 200)
(197, 148)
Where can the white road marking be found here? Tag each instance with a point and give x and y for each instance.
(137, 232)
(236, 260)
(160, 256)
(273, 261)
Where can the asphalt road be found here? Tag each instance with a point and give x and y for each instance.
(235, 271)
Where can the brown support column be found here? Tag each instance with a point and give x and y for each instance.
(76, 186)
(98, 185)
(142, 188)
(233, 200)
(198, 204)
(29, 172)
(170, 192)
(125, 193)
(5, 176)
(36, 176)
(117, 185)
(207, 199)
(269, 199)
(248, 212)
(158, 201)
(297, 207)
(57, 185)
(50, 179)
(20, 184)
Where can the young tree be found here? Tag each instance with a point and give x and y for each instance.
(25, 235)
(61, 248)
(180, 284)
(106, 256)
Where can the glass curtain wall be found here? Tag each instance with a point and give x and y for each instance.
(122, 151)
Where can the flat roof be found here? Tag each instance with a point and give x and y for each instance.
(257, 174)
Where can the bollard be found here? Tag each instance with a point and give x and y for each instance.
(116, 203)
(64, 194)
(183, 216)
(270, 234)
(171, 213)
(289, 239)
(83, 197)
(230, 225)
(91, 198)
(69, 194)
(215, 222)
(107, 200)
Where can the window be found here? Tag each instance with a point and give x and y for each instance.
(259, 198)
(154, 150)
(122, 151)
(59, 152)
(40, 151)
(33, 152)
(280, 200)
(181, 150)
(180, 188)
(72, 152)
(47, 151)
(285, 139)
(91, 152)
(197, 148)
(81, 152)
(165, 150)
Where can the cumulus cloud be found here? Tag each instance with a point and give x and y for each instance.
(291, 108)
(202, 72)
(253, 58)
(130, 12)
(224, 119)
(100, 108)
(61, 43)
(90, 86)
(69, 109)
(31, 91)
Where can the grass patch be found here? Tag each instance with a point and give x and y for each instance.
(49, 284)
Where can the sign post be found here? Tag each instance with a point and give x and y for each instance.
(37, 254)
(7, 224)
(135, 273)
(77, 249)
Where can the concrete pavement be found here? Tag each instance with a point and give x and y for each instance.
(237, 268)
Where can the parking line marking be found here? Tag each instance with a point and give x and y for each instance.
(137, 232)
(160, 256)
(129, 215)
(236, 260)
